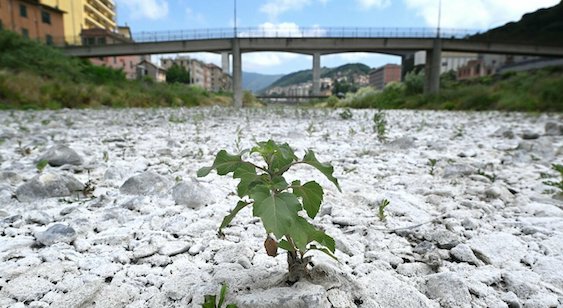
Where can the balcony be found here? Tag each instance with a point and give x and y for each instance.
(103, 7)
(100, 18)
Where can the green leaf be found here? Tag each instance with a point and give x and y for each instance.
(312, 195)
(210, 301)
(222, 294)
(204, 171)
(227, 220)
(232, 306)
(279, 183)
(278, 157)
(224, 163)
(324, 168)
(247, 175)
(303, 233)
(283, 244)
(278, 212)
(325, 250)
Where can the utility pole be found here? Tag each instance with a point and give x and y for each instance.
(235, 14)
(439, 17)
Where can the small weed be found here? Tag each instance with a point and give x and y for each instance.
(432, 164)
(41, 165)
(380, 126)
(176, 120)
(238, 139)
(106, 156)
(23, 151)
(89, 188)
(346, 114)
(211, 300)
(559, 169)
(458, 132)
(311, 129)
(492, 177)
(45, 122)
(381, 209)
(352, 132)
(178, 179)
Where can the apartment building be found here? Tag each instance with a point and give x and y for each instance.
(208, 76)
(382, 76)
(99, 36)
(451, 61)
(85, 14)
(32, 19)
(148, 69)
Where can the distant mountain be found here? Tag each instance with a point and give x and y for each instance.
(544, 26)
(346, 70)
(255, 82)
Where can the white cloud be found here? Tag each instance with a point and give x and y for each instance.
(480, 14)
(151, 9)
(195, 17)
(259, 61)
(371, 4)
(275, 8)
(285, 29)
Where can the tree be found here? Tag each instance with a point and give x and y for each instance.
(177, 74)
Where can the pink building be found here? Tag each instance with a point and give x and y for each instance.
(100, 36)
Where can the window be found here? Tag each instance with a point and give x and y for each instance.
(46, 17)
(49, 39)
(101, 40)
(23, 10)
(25, 33)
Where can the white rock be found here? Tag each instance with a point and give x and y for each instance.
(25, 288)
(302, 294)
(449, 289)
(388, 291)
(492, 248)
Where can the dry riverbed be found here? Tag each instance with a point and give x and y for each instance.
(117, 218)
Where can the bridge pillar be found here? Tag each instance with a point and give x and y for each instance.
(225, 63)
(433, 67)
(237, 74)
(316, 74)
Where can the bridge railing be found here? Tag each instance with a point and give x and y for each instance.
(276, 32)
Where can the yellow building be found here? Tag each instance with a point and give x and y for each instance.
(85, 14)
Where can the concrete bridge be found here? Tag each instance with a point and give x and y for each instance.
(315, 42)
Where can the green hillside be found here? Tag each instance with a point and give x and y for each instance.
(544, 26)
(307, 75)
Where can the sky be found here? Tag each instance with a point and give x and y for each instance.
(168, 15)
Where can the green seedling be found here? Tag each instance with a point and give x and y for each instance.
(238, 138)
(346, 114)
(381, 209)
(380, 126)
(491, 177)
(311, 129)
(559, 169)
(432, 164)
(211, 300)
(41, 165)
(278, 203)
(459, 131)
(106, 156)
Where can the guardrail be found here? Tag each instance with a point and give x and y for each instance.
(273, 32)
